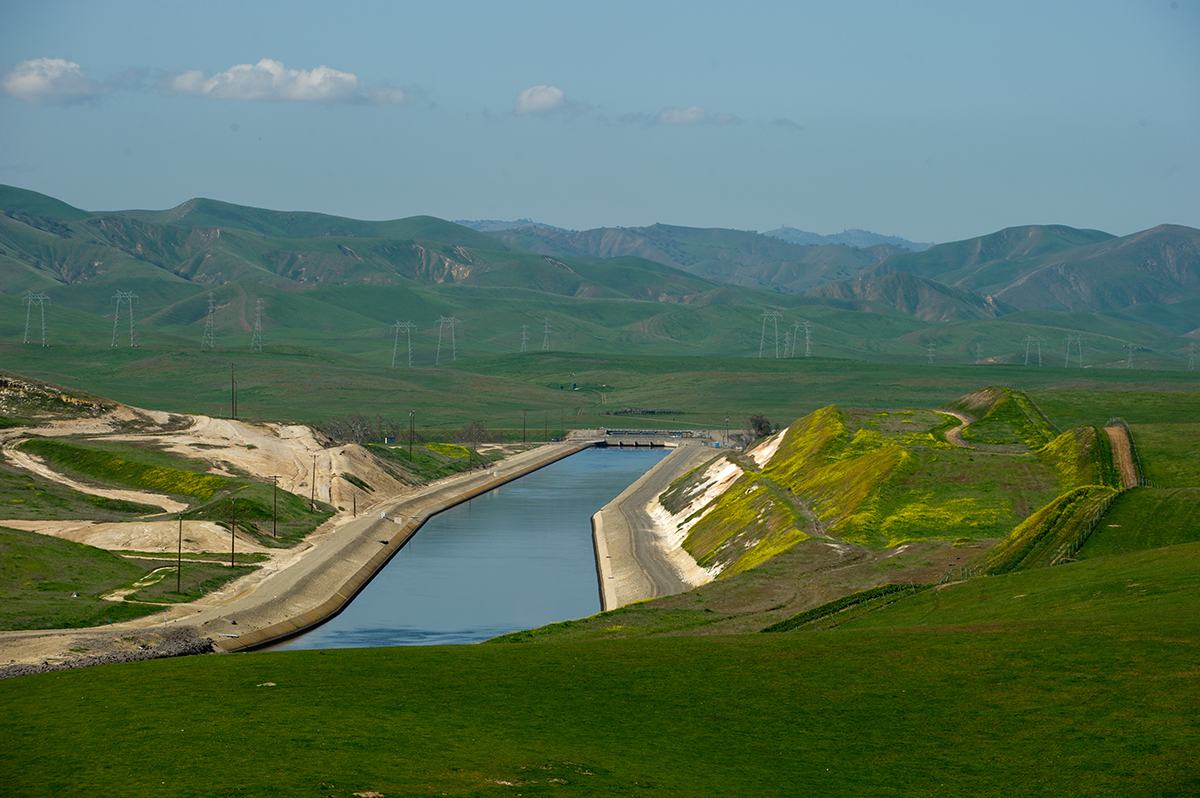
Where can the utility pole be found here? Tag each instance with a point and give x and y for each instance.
(179, 558)
(546, 421)
(274, 505)
(411, 432)
(232, 394)
(523, 412)
(232, 531)
(312, 501)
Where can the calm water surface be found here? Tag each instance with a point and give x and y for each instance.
(515, 558)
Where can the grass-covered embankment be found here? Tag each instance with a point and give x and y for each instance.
(1073, 680)
(39, 574)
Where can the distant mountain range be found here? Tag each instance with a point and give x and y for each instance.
(859, 239)
(1148, 278)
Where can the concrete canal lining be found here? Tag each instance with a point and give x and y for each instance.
(338, 567)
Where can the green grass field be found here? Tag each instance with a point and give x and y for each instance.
(1146, 518)
(1077, 680)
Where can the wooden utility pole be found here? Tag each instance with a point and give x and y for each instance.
(275, 505)
(232, 531)
(179, 560)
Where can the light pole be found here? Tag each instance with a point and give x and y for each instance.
(179, 558)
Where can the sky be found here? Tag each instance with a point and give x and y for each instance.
(934, 121)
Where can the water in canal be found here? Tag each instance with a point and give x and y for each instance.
(515, 558)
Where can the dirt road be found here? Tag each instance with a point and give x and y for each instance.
(1122, 455)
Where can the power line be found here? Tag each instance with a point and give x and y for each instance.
(210, 324)
(125, 297)
(524, 337)
(256, 340)
(408, 327)
(41, 299)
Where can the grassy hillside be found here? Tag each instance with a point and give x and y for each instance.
(1087, 662)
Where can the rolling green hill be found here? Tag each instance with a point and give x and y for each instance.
(917, 296)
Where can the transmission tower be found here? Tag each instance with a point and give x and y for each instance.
(524, 337)
(41, 299)
(546, 335)
(1031, 340)
(126, 297)
(256, 340)
(408, 327)
(929, 347)
(1130, 347)
(1191, 357)
(1070, 339)
(773, 316)
(795, 337)
(210, 324)
(1079, 346)
(787, 343)
(978, 354)
(442, 322)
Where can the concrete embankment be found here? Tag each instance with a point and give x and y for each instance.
(631, 561)
(325, 580)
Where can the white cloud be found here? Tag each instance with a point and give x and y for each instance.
(539, 100)
(686, 116)
(49, 80)
(270, 80)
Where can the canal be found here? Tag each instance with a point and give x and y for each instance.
(515, 558)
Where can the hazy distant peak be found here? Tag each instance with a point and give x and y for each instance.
(859, 239)
(495, 225)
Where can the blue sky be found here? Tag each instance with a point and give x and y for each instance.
(932, 121)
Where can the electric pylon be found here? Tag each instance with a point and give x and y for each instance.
(41, 299)
(126, 297)
(524, 337)
(929, 353)
(1191, 357)
(210, 324)
(546, 335)
(408, 327)
(772, 315)
(256, 340)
